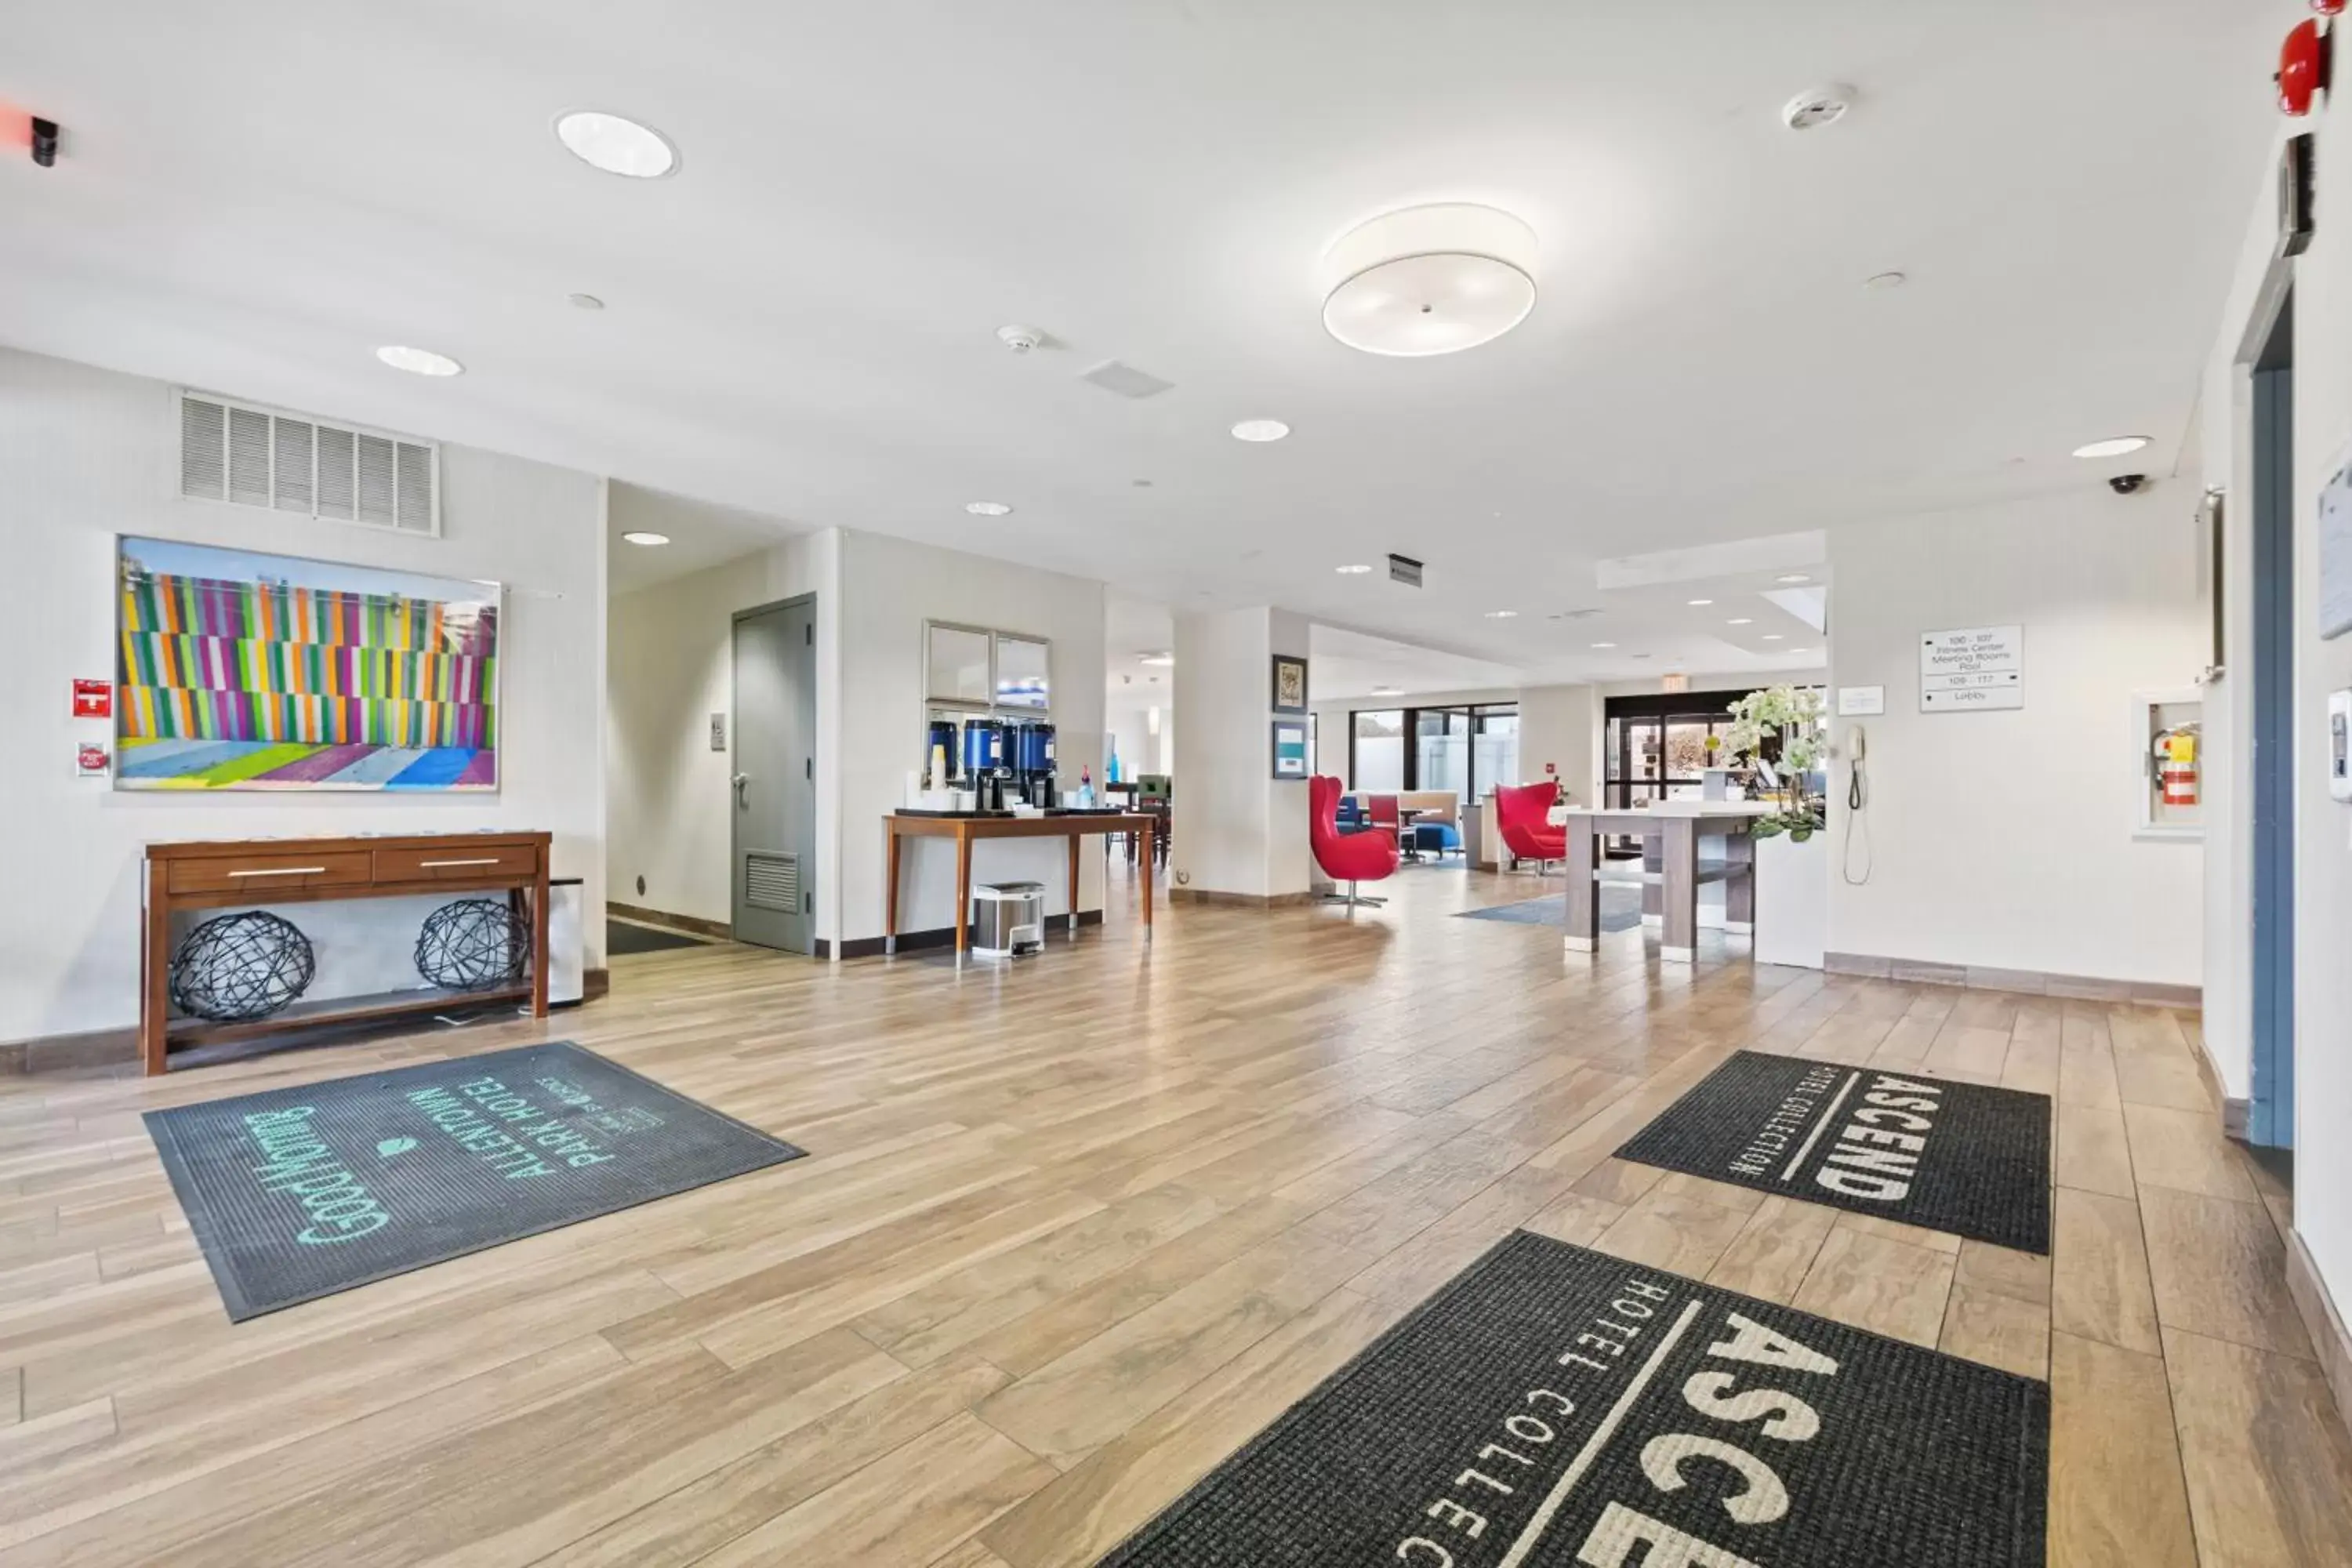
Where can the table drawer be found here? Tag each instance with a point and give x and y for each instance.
(456, 863)
(262, 873)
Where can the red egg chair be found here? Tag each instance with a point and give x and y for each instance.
(1351, 858)
(1521, 817)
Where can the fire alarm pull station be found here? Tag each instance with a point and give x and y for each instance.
(2340, 745)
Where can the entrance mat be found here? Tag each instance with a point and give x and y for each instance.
(300, 1193)
(1621, 909)
(1553, 1407)
(621, 936)
(1954, 1157)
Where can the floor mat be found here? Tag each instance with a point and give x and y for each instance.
(300, 1193)
(1954, 1157)
(1553, 1407)
(623, 936)
(1621, 909)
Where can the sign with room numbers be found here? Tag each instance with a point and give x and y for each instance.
(1974, 669)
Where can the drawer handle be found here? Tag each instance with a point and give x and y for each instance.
(435, 864)
(285, 871)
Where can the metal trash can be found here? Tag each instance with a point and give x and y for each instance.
(1008, 918)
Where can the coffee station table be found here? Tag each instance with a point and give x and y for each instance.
(967, 827)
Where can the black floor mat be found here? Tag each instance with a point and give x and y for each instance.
(1553, 1407)
(299, 1193)
(621, 936)
(1954, 1157)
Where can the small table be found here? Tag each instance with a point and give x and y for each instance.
(900, 826)
(1672, 830)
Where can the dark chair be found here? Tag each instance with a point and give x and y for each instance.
(1349, 858)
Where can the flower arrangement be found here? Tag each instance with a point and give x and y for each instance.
(1791, 715)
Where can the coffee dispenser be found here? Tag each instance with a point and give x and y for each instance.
(1033, 761)
(985, 764)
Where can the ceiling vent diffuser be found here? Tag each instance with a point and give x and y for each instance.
(251, 455)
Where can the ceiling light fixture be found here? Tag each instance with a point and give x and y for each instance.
(1882, 281)
(1388, 691)
(1355, 569)
(1820, 105)
(418, 362)
(616, 145)
(1260, 430)
(2114, 446)
(1701, 603)
(1502, 614)
(1430, 280)
(1771, 637)
(586, 301)
(1792, 577)
(1160, 659)
(1604, 645)
(1741, 621)
(987, 508)
(644, 536)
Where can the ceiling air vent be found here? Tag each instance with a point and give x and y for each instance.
(1127, 381)
(250, 456)
(1405, 569)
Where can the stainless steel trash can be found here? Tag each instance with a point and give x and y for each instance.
(1008, 918)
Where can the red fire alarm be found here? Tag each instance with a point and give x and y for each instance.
(93, 699)
(1550, 768)
(2303, 67)
(90, 761)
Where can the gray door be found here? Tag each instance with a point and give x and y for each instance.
(776, 775)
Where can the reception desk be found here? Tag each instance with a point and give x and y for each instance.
(1670, 831)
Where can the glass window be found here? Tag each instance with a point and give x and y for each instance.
(1379, 763)
(1496, 753)
(1441, 749)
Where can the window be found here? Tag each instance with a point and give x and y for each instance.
(1494, 755)
(1441, 749)
(1378, 759)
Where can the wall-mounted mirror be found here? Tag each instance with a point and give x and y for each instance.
(1022, 677)
(957, 660)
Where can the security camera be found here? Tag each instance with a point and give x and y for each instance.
(2128, 484)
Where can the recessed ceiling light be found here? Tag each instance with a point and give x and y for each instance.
(1884, 280)
(2114, 446)
(1388, 691)
(1604, 645)
(615, 145)
(1821, 106)
(586, 301)
(1771, 637)
(644, 536)
(1430, 280)
(1260, 430)
(1701, 603)
(1502, 614)
(1161, 659)
(1643, 656)
(1741, 621)
(1352, 571)
(418, 362)
(1792, 577)
(987, 508)
(1140, 484)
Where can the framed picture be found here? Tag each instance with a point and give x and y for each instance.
(1290, 749)
(238, 670)
(1289, 684)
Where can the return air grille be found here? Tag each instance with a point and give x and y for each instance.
(772, 882)
(289, 462)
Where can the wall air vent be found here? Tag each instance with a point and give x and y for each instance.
(252, 456)
(1405, 569)
(772, 880)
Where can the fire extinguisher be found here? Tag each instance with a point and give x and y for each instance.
(2176, 765)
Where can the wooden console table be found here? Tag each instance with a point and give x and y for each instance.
(220, 873)
(900, 827)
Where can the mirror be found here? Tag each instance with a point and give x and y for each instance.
(1022, 676)
(956, 660)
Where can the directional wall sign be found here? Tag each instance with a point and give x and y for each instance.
(1973, 669)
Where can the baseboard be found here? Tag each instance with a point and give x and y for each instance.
(695, 923)
(2025, 982)
(2321, 1320)
(596, 984)
(68, 1053)
(944, 936)
(1239, 900)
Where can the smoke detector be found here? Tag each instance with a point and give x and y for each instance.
(1020, 339)
(1817, 107)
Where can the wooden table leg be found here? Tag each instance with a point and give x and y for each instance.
(1145, 831)
(1584, 890)
(890, 889)
(154, 966)
(538, 954)
(1074, 887)
(1739, 888)
(1677, 838)
(963, 891)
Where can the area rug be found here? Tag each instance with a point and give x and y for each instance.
(1954, 1157)
(1553, 1407)
(1621, 909)
(300, 1193)
(624, 936)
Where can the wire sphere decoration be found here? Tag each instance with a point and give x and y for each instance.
(233, 969)
(473, 944)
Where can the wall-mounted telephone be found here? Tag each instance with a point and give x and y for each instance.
(2340, 745)
(1857, 804)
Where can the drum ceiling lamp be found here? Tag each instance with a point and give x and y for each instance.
(1430, 280)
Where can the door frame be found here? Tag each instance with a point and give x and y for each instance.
(817, 943)
(2268, 714)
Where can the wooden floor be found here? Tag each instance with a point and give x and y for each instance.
(1072, 1231)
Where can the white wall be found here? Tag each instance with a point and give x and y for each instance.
(2006, 840)
(1561, 726)
(1240, 829)
(889, 587)
(668, 804)
(86, 454)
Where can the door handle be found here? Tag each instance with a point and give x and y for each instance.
(739, 780)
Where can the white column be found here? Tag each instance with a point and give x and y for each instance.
(1238, 829)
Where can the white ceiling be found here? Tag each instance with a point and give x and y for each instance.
(801, 320)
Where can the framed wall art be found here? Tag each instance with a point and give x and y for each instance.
(1289, 684)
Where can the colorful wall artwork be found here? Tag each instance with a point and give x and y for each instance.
(240, 670)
